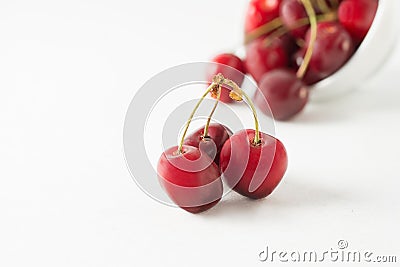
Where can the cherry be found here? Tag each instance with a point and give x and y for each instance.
(311, 77)
(212, 143)
(291, 11)
(258, 173)
(357, 16)
(190, 178)
(332, 48)
(261, 58)
(233, 67)
(260, 12)
(283, 92)
(187, 174)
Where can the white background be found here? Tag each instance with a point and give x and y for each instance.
(68, 70)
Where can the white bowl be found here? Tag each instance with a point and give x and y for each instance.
(368, 59)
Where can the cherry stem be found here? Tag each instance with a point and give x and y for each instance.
(220, 80)
(238, 91)
(264, 29)
(273, 36)
(322, 5)
(313, 22)
(275, 26)
(205, 134)
(209, 89)
(331, 16)
(257, 140)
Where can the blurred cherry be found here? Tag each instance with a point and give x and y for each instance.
(311, 77)
(232, 67)
(357, 16)
(333, 47)
(261, 58)
(282, 92)
(291, 11)
(260, 12)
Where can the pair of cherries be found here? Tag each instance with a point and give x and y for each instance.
(250, 162)
(293, 44)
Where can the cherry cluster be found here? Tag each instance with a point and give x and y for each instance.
(250, 162)
(293, 44)
(290, 45)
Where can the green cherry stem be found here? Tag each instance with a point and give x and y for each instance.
(331, 16)
(277, 25)
(313, 22)
(257, 140)
(205, 134)
(322, 5)
(209, 89)
(260, 31)
(237, 93)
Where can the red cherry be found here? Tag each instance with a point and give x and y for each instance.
(283, 92)
(357, 16)
(333, 47)
(211, 144)
(311, 77)
(261, 12)
(291, 11)
(233, 68)
(190, 179)
(257, 173)
(261, 58)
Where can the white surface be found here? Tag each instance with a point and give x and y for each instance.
(68, 71)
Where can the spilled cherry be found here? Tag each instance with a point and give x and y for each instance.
(261, 59)
(258, 173)
(260, 12)
(291, 11)
(332, 48)
(211, 143)
(339, 27)
(254, 174)
(190, 178)
(357, 17)
(283, 92)
(187, 173)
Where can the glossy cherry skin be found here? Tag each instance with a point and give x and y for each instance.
(291, 11)
(257, 173)
(191, 179)
(212, 144)
(311, 77)
(260, 12)
(357, 16)
(332, 48)
(232, 68)
(261, 59)
(284, 93)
